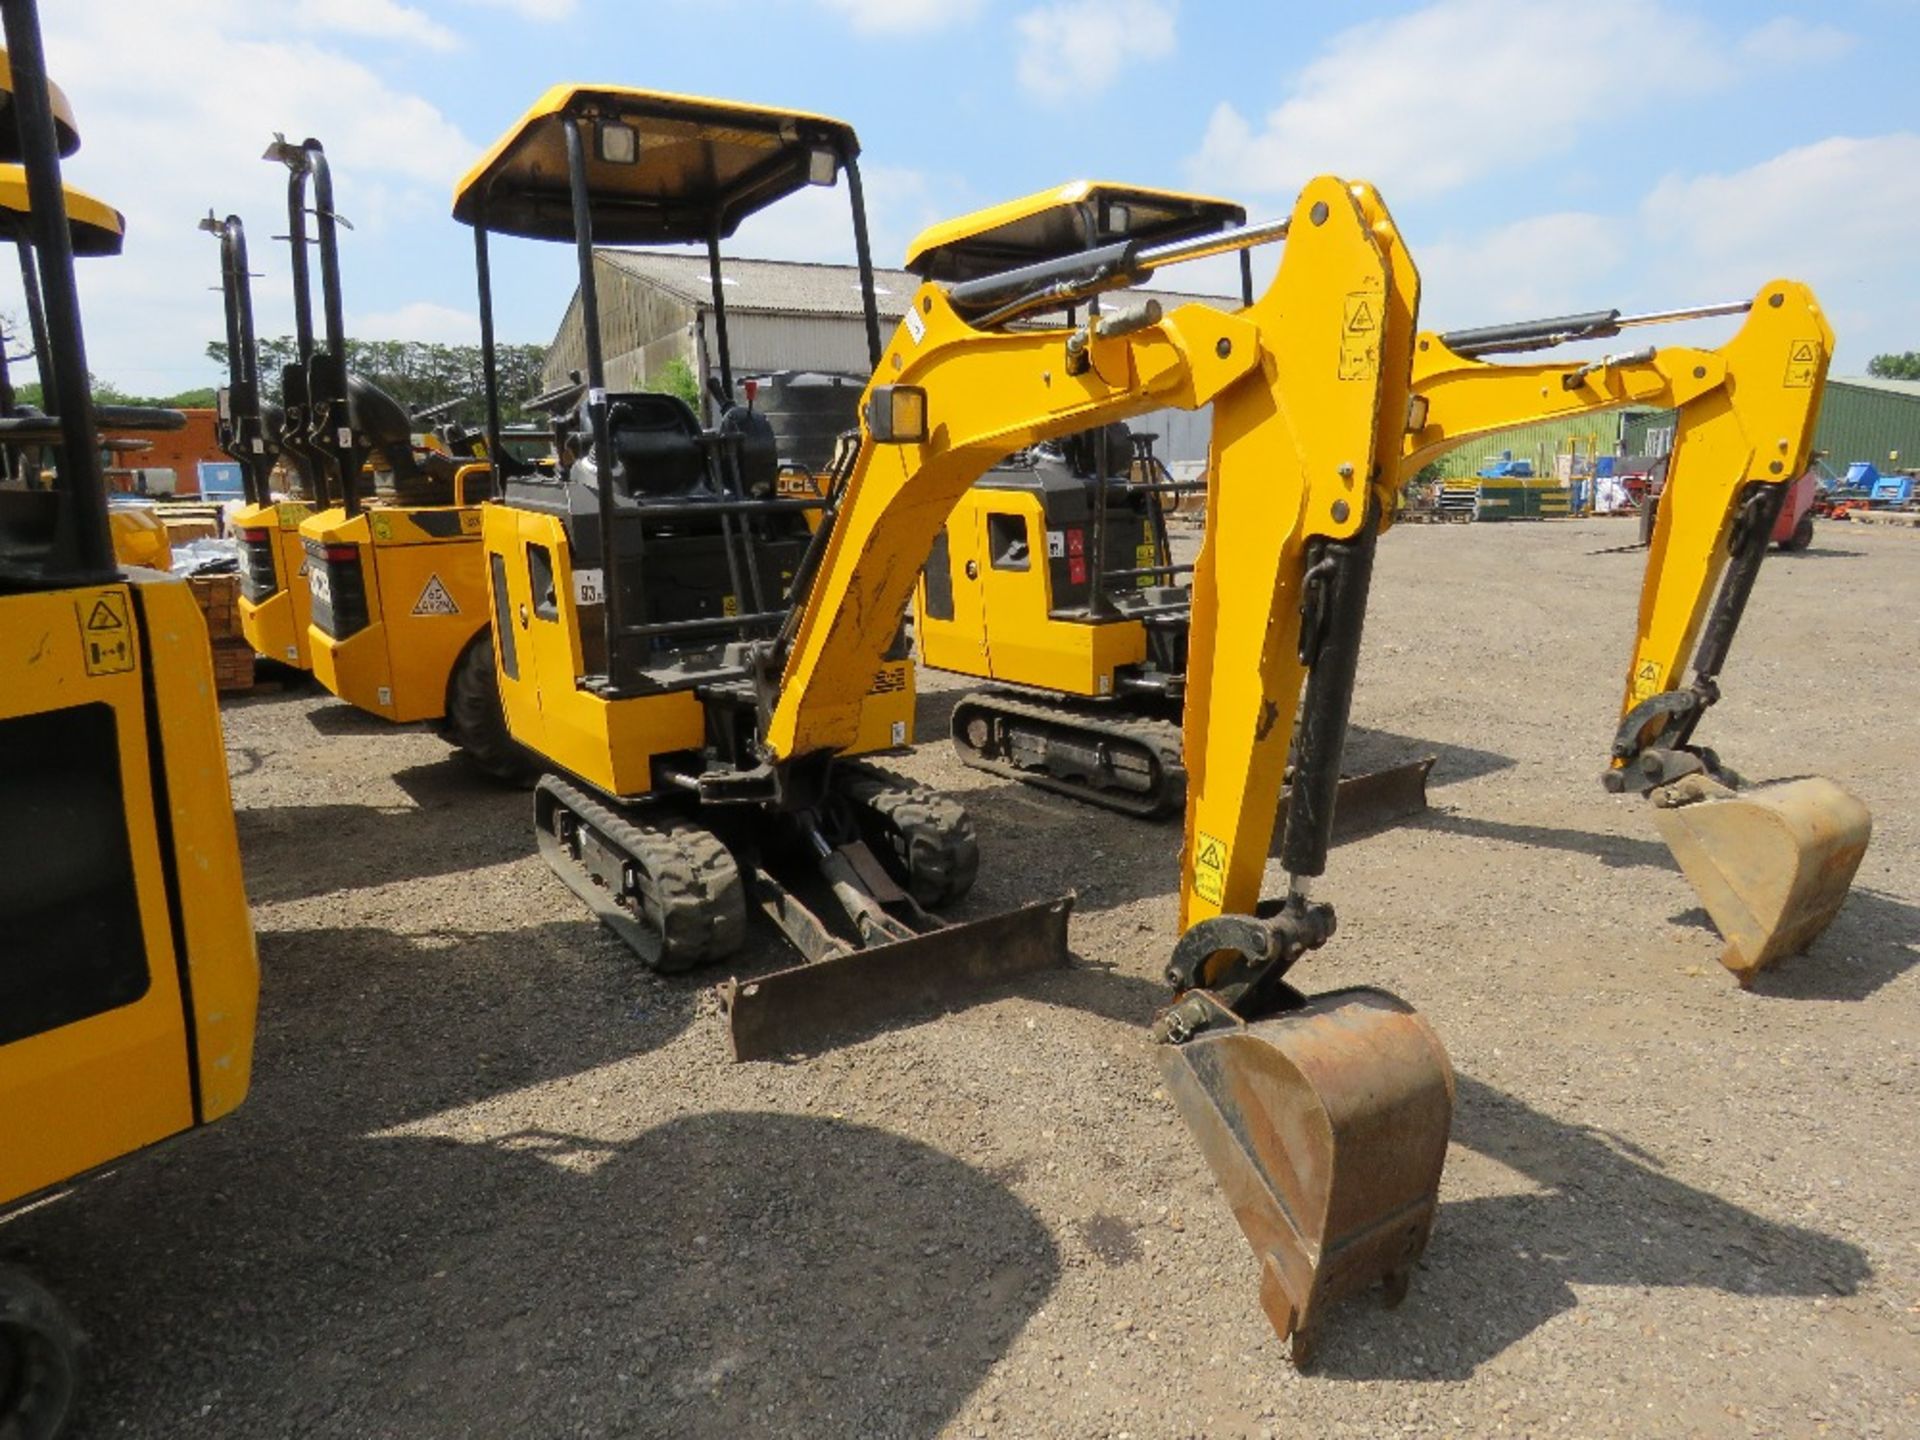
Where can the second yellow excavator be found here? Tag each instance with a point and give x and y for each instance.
(1772, 864)
(1054, 578)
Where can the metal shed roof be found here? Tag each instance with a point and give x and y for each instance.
(788, 287)
(767, 287)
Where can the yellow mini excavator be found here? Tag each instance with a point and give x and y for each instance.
(275, 602)
(645, 589)
(1772, 864)
(697, 665)
(95, 228)
(273, 589)
(129, 980)
(395, 585)
(1054, 578)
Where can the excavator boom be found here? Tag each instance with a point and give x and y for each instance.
(1326, 1120)
(1772, 864)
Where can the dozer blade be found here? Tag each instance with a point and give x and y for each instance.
(1327, 1129)
(1373, 801)
(1772, 864)
(799, 1010)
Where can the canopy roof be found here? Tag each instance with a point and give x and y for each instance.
(699, 166)
(1052, 223)
(66, 133)
(98, 228)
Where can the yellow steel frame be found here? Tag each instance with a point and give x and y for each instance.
(87, 1092)
(1310, 387)
(1746, 416)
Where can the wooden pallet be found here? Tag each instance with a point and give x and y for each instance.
(219, 599)
(232, 666)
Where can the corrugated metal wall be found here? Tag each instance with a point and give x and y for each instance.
(1856, 422)
(1539, 443)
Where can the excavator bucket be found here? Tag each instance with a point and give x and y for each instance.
(1327, 1128)
(848, 991)
(1772, 864)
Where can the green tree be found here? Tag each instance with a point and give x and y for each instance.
(419, 374)
(1904, 366)
(676, 378)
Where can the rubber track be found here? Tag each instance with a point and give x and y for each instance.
(692, 905)
(1159, 738)
(942, 849)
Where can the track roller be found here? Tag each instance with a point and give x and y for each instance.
(925, 840)
(1130, 765)
(670, 889)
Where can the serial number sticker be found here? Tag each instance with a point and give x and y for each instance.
(589, 587)
(469, 522)
(916, 327)
(1210, 868)
(899, 732)
(1056, 543)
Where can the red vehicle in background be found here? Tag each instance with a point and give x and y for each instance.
(1792, 531)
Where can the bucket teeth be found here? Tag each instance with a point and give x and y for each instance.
(1772, 865)
(1326, 1128)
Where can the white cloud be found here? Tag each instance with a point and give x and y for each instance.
(1541, 265)
(817, 224)
(1704, 238)
(902, 17)
(1370, 106)
(419, 320)
(1079, 47)
(1842, 214)
(544, 11)
(374, 20)
(174, 111)
(1785, 41)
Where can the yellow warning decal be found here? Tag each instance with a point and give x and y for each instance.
(289, 513)
(1209, 868)
(1801, 363)
(1360, 314)
(435, 599)
(106, 639)
(1646, 680)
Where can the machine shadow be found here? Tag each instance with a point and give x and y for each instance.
(1603, 1214)
(1814, 552)
(1873, 941)
(340, 718)
(720, 1275)
(714, 1275)
(1617, 851)
(1369, 749)
(460, 821)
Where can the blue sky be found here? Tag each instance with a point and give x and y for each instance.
(1539, 157)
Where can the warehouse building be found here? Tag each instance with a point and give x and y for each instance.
(1861, 418)
(656, 307)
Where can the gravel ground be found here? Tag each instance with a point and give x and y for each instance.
(495, 1180)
